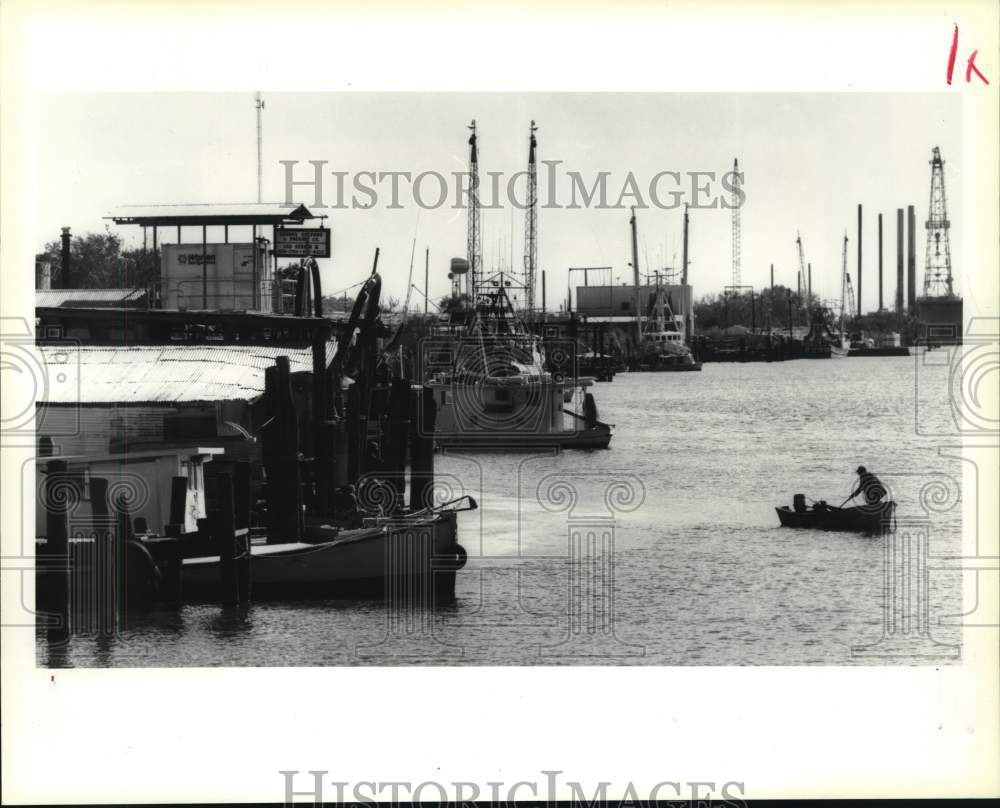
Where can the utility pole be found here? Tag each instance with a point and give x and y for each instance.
(260, 153)
(880, 262)
(530, 226)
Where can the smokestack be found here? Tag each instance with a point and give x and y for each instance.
(66, 261)
(809, 284)
(543, 291)
(772, 280)
(899, 261)
(859, 261)
(911, 258)
(880, 262)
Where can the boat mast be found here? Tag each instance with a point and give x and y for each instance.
(530, 227)
(635, 280)
(843, 289)
(688, 317)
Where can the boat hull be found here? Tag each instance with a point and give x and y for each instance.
(668, 367)
(889, 351)
(367, 561)
(598, 437)
(874, 519)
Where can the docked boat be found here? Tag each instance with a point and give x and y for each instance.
(661, 334)
(822, 516)
(367, 560)
(498, 390)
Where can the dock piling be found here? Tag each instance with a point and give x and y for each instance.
(422, 448)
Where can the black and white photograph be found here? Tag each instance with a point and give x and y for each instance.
(323, 380)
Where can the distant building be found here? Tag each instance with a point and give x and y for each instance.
(237, 279)
(939, 320)
(619, 301)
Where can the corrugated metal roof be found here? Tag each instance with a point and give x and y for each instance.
(161, 373)
(238, 212)
(54, 298)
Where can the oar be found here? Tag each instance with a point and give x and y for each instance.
(842, 504)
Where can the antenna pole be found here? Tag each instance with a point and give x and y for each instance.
(530, 225)
(260, 162)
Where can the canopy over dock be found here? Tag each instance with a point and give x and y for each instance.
(249, 213)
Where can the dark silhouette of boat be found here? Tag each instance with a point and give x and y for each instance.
(876, 518)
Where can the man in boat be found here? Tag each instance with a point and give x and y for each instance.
(870, 486)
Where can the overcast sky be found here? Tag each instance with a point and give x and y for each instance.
(807, 159)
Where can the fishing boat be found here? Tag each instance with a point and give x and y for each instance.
(499, 390)
(875, 518)
(660, 344)
(331, 562)
(662, 347)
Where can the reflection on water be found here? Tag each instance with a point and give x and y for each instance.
(663, 550)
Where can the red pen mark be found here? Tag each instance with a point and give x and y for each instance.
(52, 679)
(951, 56)
(972, 68)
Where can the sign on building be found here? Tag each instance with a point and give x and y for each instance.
(302, 242)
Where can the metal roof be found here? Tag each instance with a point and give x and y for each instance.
(167, 374)
(54, 298)
(273, 213)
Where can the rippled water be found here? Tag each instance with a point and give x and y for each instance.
(702, 573)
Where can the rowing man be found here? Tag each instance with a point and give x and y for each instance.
(869, 485)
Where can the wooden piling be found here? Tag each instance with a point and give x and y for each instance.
(241, 521)
(422, 448)
(322, 434)
(178, 505)
(120, 556)
(223, 527)
(53, 594)
(281, 457)
(104, 557)
(397, 435)
(355, 437)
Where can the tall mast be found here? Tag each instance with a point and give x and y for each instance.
(688, 319)
(937, 261)
(474, 246)
(736, 222)
(843, 289)
(802, 267)
(531, 226)
(260, 162)
(635, 280)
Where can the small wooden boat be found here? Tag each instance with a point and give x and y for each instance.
(875, 518)
(368, 560)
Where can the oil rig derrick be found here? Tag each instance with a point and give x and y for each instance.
(937, 261)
